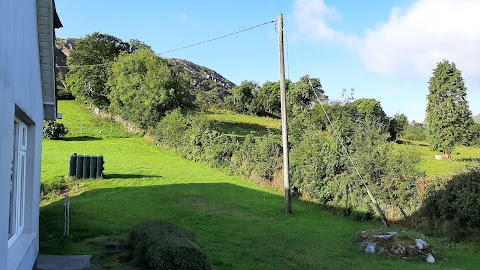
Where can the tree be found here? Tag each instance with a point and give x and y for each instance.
(302, 94)
(369, 109)
(397, 125)
(448, 116)
(268, 99)
(144, 87)
(89, 67)
(241, 97)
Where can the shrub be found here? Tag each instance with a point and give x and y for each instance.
(452, 207)
(159, 244)
(53, 130)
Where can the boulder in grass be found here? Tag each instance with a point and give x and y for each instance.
(438, 157)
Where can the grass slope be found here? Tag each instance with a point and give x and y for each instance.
(240, 125)
(242, 226)
(461, 156)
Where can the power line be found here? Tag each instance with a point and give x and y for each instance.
(345, 149)
(184, 47)
(224, 36)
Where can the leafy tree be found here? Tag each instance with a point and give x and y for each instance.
(302, 94)
(241, 97)
(414, 132)
(268, 98)
(89, 67)
(397, 125)
(144, 87)
(448, 116)
(369, 109)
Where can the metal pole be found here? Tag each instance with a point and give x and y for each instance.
(286, 176)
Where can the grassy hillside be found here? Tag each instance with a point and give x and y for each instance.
(461, 157)
(242, 226)
(476, 118)
(240, 125)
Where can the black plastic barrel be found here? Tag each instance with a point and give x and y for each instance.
(99, 167)
(73, 164)
(86, 167)
(93, 166)
(79, 169)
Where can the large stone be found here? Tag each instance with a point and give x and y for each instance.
(438, 157)
(398, 250)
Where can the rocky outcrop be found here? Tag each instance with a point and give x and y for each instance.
(203, 78)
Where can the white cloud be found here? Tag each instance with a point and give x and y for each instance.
(412, 41)
(311, 18)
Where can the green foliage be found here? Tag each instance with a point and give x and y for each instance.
(448, 117)
(390, 172)
(267, 99)
(53, 130)
(414, 132)
(369, 109)
(241, 97)
(89, 67)
(397, 125)
(315, 162)
(144, 87)
(162, 245)
(452, 207)
(302, 94)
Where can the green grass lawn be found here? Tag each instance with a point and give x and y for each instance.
(240, 125)
(461, 156)
(242, 226)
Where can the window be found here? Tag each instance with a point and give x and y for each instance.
(17, 182)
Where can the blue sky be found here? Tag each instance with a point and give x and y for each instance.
(384, 49)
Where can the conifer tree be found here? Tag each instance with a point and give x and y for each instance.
(449, 118)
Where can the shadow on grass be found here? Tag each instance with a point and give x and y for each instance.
(82, 138)
(241, 130)
(129, 176)
(411, 143)
(473, 159)
(242, 228)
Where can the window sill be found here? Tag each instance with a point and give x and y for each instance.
(19, 249)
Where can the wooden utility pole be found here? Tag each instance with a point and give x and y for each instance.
(286, 176)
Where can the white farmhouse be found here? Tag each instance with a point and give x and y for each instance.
(27, 97)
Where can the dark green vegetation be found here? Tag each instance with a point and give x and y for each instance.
(449, 119)
(89, 66)
(144, 86)
(157, 244)
(53, 130)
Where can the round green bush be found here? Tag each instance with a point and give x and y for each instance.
(157, 244)
(53, 130)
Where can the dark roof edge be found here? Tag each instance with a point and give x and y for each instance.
(56, 20)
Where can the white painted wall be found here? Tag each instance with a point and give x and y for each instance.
(20, 85)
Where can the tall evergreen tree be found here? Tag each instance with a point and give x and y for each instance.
(448, 117)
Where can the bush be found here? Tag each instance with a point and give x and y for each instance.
(53, 130)
(159, 244)
(452, 207)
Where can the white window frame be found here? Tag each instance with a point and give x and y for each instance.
(16, 220)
